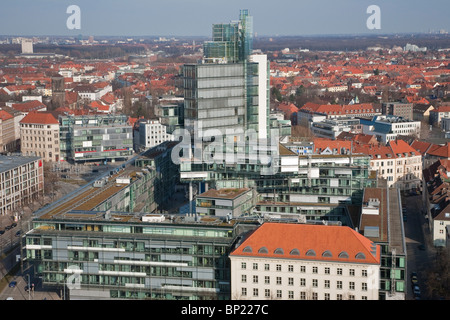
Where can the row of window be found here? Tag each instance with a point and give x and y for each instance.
(303, 295)
(314, 269)
(303, 282)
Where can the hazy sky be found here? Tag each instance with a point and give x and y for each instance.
(195, 17)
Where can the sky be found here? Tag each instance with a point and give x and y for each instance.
(195, 17)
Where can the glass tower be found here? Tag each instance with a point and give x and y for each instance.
(231, 42)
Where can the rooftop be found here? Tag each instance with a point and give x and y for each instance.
(10, 162)
(309, 242)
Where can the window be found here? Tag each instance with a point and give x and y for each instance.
(327, 270)
(314, 270)
(278, 267)
(315, 283)
(339, 271)
(302, 269)
(351, 272)
(339, 284)
(255, 279)
(327, 284)
(244, 278)
(279, 280)
(351, 285)
(244, 292)
(290, 281)
(279, 294)
(364, 286)
(266, 279)
(291, 294)
(255, 292)
(266, 267)
(267, 293)
(290, 268)
(302, 282)
(255, 266)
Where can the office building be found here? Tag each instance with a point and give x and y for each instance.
(404, 110)
(99, 137)
(21, 182)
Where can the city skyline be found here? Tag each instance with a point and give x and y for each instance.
(195, 17)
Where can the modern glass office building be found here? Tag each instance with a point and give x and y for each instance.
(231, 42)
(124, 256)
(95, 137)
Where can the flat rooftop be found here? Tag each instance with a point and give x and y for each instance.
(10, 162)
(226, 193)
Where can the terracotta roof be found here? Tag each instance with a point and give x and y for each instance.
(5, 115)
(441, 151)
(27, 106)
(299, 241)
(40, 118)
(400, 146)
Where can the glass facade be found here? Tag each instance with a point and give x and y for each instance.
(231, 42)
(133, 261)
(95, 137)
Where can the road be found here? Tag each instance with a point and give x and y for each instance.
(420, 250)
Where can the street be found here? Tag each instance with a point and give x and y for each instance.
(420, 250)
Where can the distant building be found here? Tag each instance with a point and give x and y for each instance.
(404, 110)
(27, 46)
(332, 128)
(438, 114)
(387, 127)
(58, 92)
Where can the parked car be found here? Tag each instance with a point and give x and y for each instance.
(2, 232)
(416, 291)
(414, 279)
(12, 284)
(18, 233)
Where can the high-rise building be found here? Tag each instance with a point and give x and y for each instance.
(227, 93)
(27, 46)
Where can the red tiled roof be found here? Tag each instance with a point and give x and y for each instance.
(280, 239)
(400, 146)
(441, 151)
(5, 115)
(40, 118)
(28, 106)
